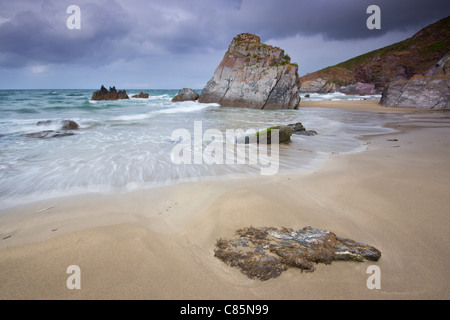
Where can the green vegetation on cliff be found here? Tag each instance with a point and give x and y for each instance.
(401, 60)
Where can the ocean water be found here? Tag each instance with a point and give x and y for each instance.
(127, 144)
(336, 96)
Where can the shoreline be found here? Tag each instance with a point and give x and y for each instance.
(371, 105)
(158, 243)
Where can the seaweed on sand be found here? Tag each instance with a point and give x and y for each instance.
(264, 253)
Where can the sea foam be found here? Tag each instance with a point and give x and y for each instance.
(127, 144)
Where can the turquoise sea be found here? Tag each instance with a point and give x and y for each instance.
(127, 144)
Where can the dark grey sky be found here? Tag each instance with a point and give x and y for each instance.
(178, 43)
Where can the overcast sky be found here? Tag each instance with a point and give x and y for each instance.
(173, 44)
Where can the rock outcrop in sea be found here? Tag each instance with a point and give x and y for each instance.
(186, 94)
(301, 130)
(284, 133)
(64, 130)
(254, 75)
(430, 91)
(112, 94)
(141, 95)
(65, 124)
(264, 253)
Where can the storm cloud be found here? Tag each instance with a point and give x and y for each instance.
(34, 32)
(37, 32)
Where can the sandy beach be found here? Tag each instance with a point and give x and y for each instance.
(158, 243)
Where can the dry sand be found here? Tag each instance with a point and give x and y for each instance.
(159, 243)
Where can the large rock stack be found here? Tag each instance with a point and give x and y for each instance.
(254, 75)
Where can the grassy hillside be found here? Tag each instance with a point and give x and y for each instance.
(401, 60)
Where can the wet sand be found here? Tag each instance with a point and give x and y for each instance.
(357, 105)
(159, 243)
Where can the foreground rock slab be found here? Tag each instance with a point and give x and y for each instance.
(254, 75)
(264, 253)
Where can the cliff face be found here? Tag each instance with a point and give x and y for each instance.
(254, 75)
(400, 61)
(430, 91)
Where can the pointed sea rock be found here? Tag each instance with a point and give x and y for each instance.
(112, 94)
